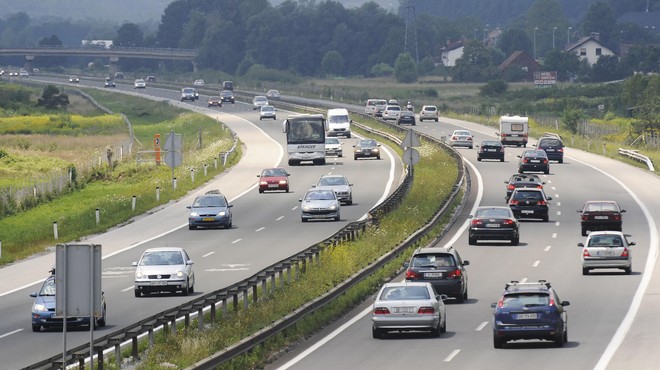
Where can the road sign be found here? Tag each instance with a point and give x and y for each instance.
(173, 142)
(410, 156)
(410, 141)
(173, 158)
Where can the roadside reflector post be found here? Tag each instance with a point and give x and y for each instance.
(157, 193)
(98, 216)
(55, 229)
(192, 174)
(133, 199)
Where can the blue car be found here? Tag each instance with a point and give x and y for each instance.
(529, 311)
(210, 210)
(43, 310)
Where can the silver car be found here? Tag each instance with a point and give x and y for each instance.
(461, 138)
(320, 203)
(391, 112)
(165, 269)
(267, 111)
(340, 185)
(408, 306)
(333, 147)
(259, 101)
(606, 249)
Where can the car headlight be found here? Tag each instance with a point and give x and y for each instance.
(357, 149)
(138, 274)
(375, 150)
(332, 207)
(282, 182)
(38, 307)
(306, 208)
(263, 183)
(179, 274)
(194, 214)
(222, 213)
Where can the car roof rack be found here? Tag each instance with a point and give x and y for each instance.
(516, 282)
(551, 134)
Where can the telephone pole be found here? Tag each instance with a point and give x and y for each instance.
(411, 30)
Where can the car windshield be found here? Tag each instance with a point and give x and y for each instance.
(491, 143)
(48, 289)
(209, 202)
(161, 258)
(528, 195)
(267, 108)
(462, 133)
(188, 91)
(368, 143)
(331, 140)
(274, 172)
(430, 109)
(493, 212)
(608, 241)
(601, 207)
(332, 181)
(433, 260)
(525, 300)
(320, 195)
(226, 93)
(399, 293)
(260, 99)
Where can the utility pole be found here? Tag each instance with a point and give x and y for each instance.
(411, 30)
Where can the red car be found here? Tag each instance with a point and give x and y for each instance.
(273, 179)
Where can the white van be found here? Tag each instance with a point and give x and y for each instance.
(371, 105)
(339, 123)
(514, 130)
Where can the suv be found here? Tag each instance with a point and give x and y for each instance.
(553, 146)
(227, 96)
(188, 93)
(529, 311)
(529, 203)
(600, 215)
(428, 112)
(443, 268)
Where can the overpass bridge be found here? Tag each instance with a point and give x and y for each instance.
(113, 54)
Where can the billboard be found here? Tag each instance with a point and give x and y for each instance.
(545, 79)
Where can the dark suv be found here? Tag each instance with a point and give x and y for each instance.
(553, 146)
(443, 268)
(227, 96)
(529, 311)
(529, 203)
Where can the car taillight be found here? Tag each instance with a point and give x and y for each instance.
(513, 202)
(509, 222)
(560, 150)
(469, 138)
(510, 187)
(552, 302)
(381, 311)
(503, 135)
(426, 310)
(410, 274)
(545, 161)
(625, 252)
(481, 150)
(477, 222)
(585, 217)
(525, 160)
(541, 203)
(454, 138)
(500, 303)
(586, 253)
(454, 274)
(617, 217)
(539, 186)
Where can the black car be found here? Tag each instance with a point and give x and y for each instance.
(491, 149)
(533, 160)
(443, 268)
(600, 215)
(522, 180)
(227, 96)
(553, 147)
(406, 117)
(529, 311)
(529, 203)
(227, 85)
(493, 223)
(367, 148)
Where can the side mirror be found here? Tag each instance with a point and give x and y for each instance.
(134, 264)
(300, 200)
(581, 245)
(189, 207)
(518, 156)
(470, 216)
(258, 175)
(565, 303)
(350, 184)
(632, 243)
(33, 294)
(466, 263)
(229, 205)
(189, 262)
(406, 264)
(549, 198)
(579, 211)
(442, 297)
(493, 305)
(623, 211)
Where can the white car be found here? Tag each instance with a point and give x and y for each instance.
(339, 184)
(140, 84)
(428, 112)
(461, 138)
(273, 94)
(333, 147)
(164, 269)
(605, 250)
(320, 203)
(259, 101)
(74, 79)
(391, 112)
(267, 111)
(199, 82)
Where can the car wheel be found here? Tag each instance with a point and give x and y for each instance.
(460, 298)
(303, 219)
(566, 336)
(585, 271)
(515, 241)
(559, 341)
(435, 332)
(502, 159)
(340, 155)
(287, 190)
(350, 202)
(561, 161)
(229, 225)
(628, 270)
(260, 191)
(337, 218)
(497, 342)
(36, 328)
(186, 290)
(378, 157)
(376, 333)
(465, 294)
(478, 159)
(436, 120)
(192, 227)
(260, 118)
(472, 241)
(584, 232)
(191, 290)
(355, 158)
(101, 321)
(546, 218)
(546, 171)
(443, 328)
(520, 170)
(137, 293)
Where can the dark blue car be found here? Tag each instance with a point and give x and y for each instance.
(210, 210)
(529, 311)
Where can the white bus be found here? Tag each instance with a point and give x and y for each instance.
(305, 138)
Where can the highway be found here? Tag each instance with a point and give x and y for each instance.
(267, 228)
(599, 303)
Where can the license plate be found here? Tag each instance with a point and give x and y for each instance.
(601, 217)
(526, 316)
(159, 282)
(273, 186)
(491, 150)
(492, 225)
(404, 309)
(208, 219)
(535, 161)
(433, 274)
(605, 253)
(549, 150)
(527, 212)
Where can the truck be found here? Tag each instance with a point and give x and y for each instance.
(305, 138)
(514, 130)
(339, 123)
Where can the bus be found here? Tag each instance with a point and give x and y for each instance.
(305, 138)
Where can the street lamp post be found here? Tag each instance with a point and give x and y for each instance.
(568, 35)
(475, 33)
(485, 30)
(535, 28)
(553, 36)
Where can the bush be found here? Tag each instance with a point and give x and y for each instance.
(493, 88)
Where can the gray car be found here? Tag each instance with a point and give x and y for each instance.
(320, 203)
(340, 185)
(606, 250)
(408, 306)
(165, 269)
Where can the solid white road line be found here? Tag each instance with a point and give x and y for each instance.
(10, 333)
(523, 280)
(129, 288)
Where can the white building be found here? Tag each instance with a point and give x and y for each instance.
(451, 52)
(589, 48)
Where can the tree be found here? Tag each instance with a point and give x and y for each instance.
(566, 64)
(476, 64)
(570, 118)
(540, 20)
(606, 69)
(332, 63)
(51, 98)
(130, 35)
(600, 19)
(405, 69)
(493, 88)
(514, 40)
(382, 69)
(53, 40)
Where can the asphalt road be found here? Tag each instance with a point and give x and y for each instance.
(267, 228)
(601, 330)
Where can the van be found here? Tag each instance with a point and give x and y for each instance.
(339, 123)
(228, 85)
(514, 130)
(370, 108)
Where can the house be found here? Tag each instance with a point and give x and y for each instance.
(451, 52)
(589, 48)
(521, 59)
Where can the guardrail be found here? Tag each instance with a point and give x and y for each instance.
(633, 154)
